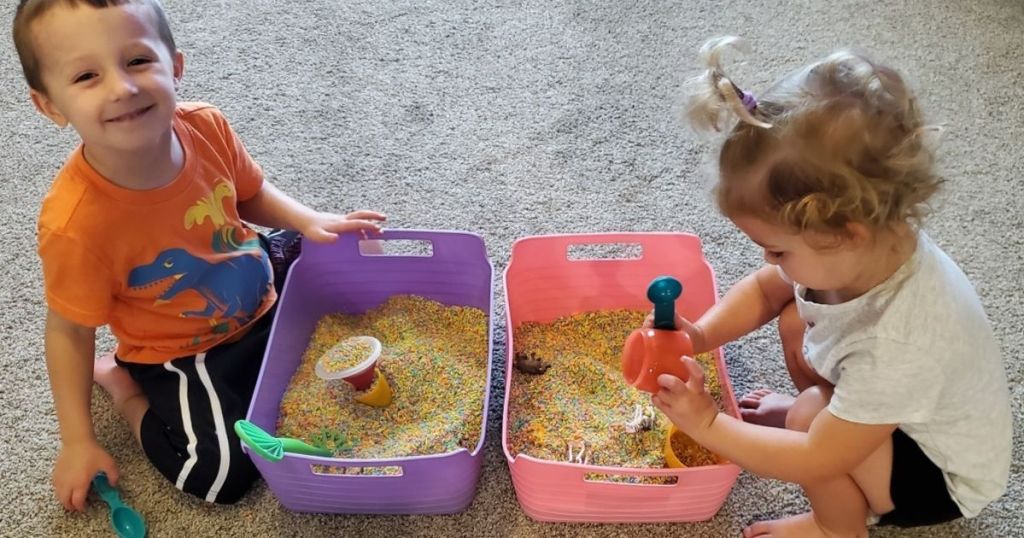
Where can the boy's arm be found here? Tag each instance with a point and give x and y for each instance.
(69, 360)
(274, 209)
(750, 303)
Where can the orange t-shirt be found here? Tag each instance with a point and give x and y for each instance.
(173, 270)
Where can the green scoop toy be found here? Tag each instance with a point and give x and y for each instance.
(273, 448)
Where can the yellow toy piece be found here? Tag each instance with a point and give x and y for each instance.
(671, 460)
(379, 393)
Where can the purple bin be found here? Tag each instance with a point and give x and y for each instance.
(334, 278)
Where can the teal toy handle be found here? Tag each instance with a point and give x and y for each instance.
(126, 522)
(107, 492)
(295, 446)
(663, 292)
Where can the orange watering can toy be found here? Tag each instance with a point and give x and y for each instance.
(651, 352)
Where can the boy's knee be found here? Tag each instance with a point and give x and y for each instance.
(241, 476)
(238, 480)
(235, 487)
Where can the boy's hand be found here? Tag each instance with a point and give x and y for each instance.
(695, 333)
(76, 465)
(325, 227)
(686, 403)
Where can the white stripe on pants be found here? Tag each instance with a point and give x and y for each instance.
(186, 419)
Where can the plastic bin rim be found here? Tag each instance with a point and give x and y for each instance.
(490, 351)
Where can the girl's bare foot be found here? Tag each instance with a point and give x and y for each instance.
(766, 407)
(802, 526)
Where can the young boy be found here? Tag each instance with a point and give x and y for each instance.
(144, 230)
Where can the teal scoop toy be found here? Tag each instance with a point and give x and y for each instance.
(273, 448)
(127, 523)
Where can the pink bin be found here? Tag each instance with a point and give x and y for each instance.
(543, 283)
(336, 278)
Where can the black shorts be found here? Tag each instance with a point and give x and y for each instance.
(188, 431)
(917, 487)
(194, 401)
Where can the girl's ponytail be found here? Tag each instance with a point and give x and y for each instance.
(715, 101)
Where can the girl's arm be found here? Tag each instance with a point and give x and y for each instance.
(831, 447)
(274, 209)
(750, 303)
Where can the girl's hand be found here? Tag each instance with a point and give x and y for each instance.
(76, 465)
(325, 227)
(695, 333)
(686, 403)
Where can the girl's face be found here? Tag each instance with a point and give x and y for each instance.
(843, 268)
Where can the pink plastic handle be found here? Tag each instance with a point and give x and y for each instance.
(554, 285)
(567, 473)
(533, 252)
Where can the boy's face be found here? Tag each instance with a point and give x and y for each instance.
(106, 73)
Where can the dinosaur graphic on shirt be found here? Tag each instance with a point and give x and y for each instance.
(233, 288)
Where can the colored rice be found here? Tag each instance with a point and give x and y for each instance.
(690, 453)
(435, 359)
(583, 400)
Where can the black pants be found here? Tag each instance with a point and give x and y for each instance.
(188, 432)
(917, 487)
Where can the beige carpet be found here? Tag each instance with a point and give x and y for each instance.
(514, 119)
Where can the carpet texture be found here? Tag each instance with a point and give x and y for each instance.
(512, 119)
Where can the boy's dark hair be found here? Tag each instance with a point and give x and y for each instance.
(30, 10)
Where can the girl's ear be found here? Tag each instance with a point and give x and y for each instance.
(46, 107)
(858, 234)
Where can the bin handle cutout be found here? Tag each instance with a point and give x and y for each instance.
(616, 479)
(617, 251)
(356, 471)
(421, 248)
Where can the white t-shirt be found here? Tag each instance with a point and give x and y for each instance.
(917, 350)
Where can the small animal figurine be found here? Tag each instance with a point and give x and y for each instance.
(643, 419)
(530, 364)
(582, 456)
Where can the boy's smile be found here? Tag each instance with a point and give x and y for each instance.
(130, 115)
(108, 74)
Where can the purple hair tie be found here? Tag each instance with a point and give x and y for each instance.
(749, 101)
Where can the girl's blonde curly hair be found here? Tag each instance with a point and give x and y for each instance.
(837, 142)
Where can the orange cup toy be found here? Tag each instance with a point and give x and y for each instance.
(363, 375)
(649, 353)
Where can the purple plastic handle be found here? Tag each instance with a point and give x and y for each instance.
(331, 278)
